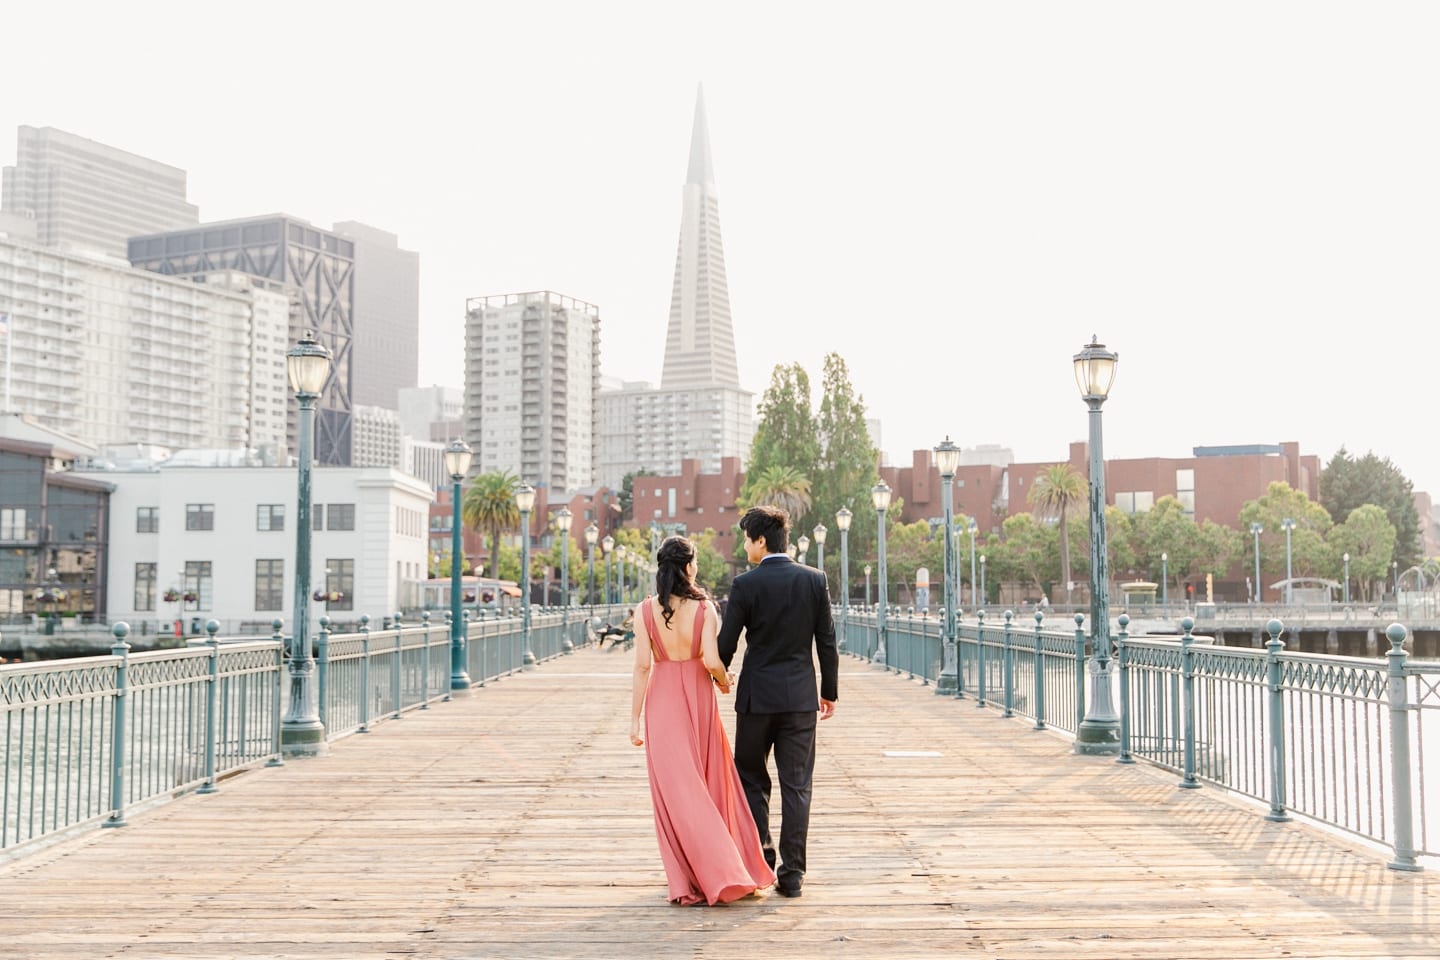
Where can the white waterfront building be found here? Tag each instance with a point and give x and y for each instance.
(224, 537)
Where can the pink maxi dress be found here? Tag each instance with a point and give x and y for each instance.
(708, 841)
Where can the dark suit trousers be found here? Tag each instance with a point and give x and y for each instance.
(792, 735)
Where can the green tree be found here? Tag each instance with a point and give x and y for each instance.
(1029, 552)
(1369, 537)
(1347, 483)
(712, 572)
(1058, 492)
(779, 486)
(786, 434)
(626, 496)
(1310, 554)
(847, 467)
(489, 504)
(1166, 529)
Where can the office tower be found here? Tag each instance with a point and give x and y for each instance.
(699, 412)
(115, 355)
(88, 194)
(532, 372)
(386, 350)
(375, 437)
(432, 413)
(314, 267)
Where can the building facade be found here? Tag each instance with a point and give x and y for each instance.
(110, 354)
(315, 268)
(87, 194)
(376, 438)
(432, 413)
(386, 350)
(532, 374)
(644, 429)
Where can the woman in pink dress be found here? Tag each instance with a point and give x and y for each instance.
(708, 841)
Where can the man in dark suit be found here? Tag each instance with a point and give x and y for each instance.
(784, 609)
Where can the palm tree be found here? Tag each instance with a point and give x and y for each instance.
(489, 504)
(783, 487)
(1057, 493)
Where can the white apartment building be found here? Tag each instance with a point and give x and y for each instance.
(642, 428)
(225, 537)
(375, 437)
(532, 374)
(426, 459)
(111, 354)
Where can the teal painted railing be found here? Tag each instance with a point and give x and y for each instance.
(1350, 743)
(84, 740)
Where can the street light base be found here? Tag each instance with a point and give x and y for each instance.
(528, 661)
(459, 684)
(1099, 733)
(1098, 738)
(945, 685)
(303, 739)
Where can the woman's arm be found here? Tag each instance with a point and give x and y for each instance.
(641, 679)
(710, 649)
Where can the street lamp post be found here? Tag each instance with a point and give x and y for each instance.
(608, 545)
(880, 497)
(563, 520)
(307, 366)
(1395, 580)
(867, 585)
(457, 464)
(842, 520)
(947, 460)
(1255, 531)
(972, 527)
(621, 552)
(820, 532)
(1346, 558)
(1288, 525)
(983, 593)
(1099, 731)
(803, 544)
(525, 500)
(654, 538)
(1164, 580)
(592, 535)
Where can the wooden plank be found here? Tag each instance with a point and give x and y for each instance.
(516, 823)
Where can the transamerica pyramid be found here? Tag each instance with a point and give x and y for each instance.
(700, 341)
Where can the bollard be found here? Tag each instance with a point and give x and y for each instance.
(1039, 672)
(425, 663)
(1124, 665)
(364, 674)
(276, 759)
(120, 649)
(1400, 788)
(322, 671)
(1275, 698)
(1009, 668)
(1079, 670)
(212, 692)
(980, 659)
(395, 667)
(1187, 694)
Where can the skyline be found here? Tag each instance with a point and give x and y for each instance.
(1224, 195)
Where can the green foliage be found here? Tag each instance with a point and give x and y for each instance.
(786, 435)
(489, 505)
(1058, 493)
(779, 486)
(1369, 537)
(1348, 483)
(712, 572)
(1310, 555)
(1029, 552)
(626, 497)
(846, 469)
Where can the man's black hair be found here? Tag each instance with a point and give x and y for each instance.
(770, 524)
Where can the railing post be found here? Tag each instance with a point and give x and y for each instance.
(364, 674)
(450, 632)
(1276, 704)
(212, 693)
(1399, 697)
(1187, 696)
(322, 671)
(395, 667)
(980, 658)
(120, 649)
(1039, 672)
(1123, 664)
(425, 663)
(959, 656)
(276, 626)
(1009, 668)
(1079, 670)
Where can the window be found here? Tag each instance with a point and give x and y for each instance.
(199, 585)
(144, 586)
(147, 520)
(269, 584)
(317, 516)
(340, 584)
(12, 523)
(1133, 503)
(342, 516)
(199, 516)
(269, 516)
(1185, 490)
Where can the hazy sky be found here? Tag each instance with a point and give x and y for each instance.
(1243, 199)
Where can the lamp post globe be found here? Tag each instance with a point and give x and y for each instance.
(947, 461)
(307, 367)
(592, 536)
(880, 498)
(563, 521)
(525, 501)
(820, 533)
(1099, 730)
(803, 544)
(457, 464)
(842, 521)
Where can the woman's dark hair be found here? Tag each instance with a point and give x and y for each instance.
(672, 579)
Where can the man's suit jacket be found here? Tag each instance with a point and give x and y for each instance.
(784, 608)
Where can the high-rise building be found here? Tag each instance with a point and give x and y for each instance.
(432, 413)
(532, 373)
(314, 267)
(386, 350)
(88, 194)
(699, 412)
(116, 355)
(375, 438)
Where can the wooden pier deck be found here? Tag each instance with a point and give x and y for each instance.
(516, 823)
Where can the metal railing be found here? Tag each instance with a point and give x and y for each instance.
(83, 740)
(1342, 741)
